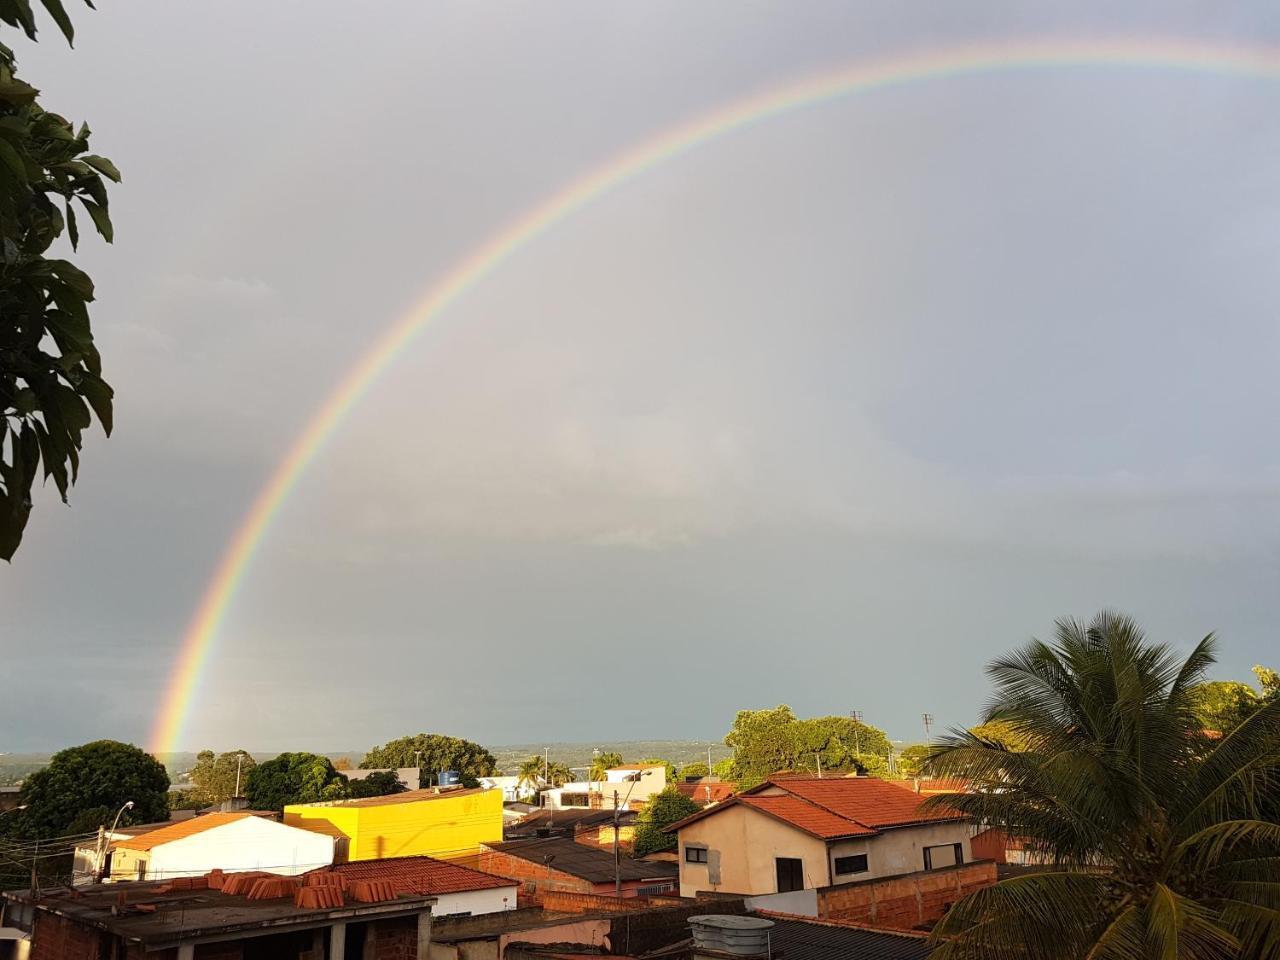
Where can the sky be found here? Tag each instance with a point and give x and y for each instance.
(829, 411)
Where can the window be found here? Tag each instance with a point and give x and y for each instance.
(790, 874)
(854, 864)
(943, 855)
(574, 800)
(695, 854)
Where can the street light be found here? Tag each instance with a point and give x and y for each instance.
(21, 806)
(102, 851)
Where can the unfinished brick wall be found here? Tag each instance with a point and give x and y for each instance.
(392, 939)
(55, 938)
(566, 902)
(904, 902)
(534, 879)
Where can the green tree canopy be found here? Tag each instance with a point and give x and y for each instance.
(294, 778)
(911, 759)
(662, 810)
(432, 753)
(51, 381)
(602, 762)
(537, 771)
(1155, 833)
(768, 741)
(381, 783)
(695, 769)
(1220, 705)
(215, 775)
(83, 787)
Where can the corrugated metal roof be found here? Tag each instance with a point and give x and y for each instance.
(817, 940)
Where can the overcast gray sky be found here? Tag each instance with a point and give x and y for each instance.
(827, 412)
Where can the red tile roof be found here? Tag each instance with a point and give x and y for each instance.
(425, 876)
(808, 817)
(833, 807)
(866, 800)
(179, 830)
(704, 793)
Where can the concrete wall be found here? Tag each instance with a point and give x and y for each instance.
(475, 902)
(445, 826)
(899, 851)
(250, 843)
(741, 846)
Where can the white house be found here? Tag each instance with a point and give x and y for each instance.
(459, 890)
(631, 784)
(224, 841)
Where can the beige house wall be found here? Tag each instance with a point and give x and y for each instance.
(899, 851)
(741, 846)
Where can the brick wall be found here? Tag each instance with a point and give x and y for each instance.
(534, 879)
(904, 902)
(565, 902)
(55, 938)
(392, 939)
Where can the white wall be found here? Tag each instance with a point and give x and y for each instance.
(250, 843)
(899, 851)
(475, 902)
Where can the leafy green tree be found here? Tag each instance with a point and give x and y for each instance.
(51, 381)
(432, 753)
(769, 741)
(1221, 705)
(695, 770)
(216, 775)
(723, 768)
(1153, 831)
(186, 800)
(536, 770)
(382, 783)
(83, 787)
(603, 762)
(911, 759)
(662, 810)
(294, 778)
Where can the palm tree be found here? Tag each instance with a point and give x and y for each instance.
(536, 772)
(1154, 835)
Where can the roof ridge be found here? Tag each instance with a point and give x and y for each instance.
(823, 806)
(844, 924)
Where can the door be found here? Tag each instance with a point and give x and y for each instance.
(790, 874)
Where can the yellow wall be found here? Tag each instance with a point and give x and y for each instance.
(445, 826)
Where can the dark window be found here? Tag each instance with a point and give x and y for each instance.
(695, 854)
(855, 864)
(790, 874)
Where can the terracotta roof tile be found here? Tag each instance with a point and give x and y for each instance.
(867, 800)
(809, 817)
(425, 876)
(179, 830)
(704, 793)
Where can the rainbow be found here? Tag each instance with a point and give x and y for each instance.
(198, 641)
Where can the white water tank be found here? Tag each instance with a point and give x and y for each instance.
(740, 936)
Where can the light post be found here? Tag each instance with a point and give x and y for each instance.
(21, 806)
(102, 849)
(856, 716)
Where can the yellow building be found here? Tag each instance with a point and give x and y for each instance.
(450, 824)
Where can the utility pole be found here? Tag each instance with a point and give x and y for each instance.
(617, 856)
(856, 716)
(239, 760)
(818, 756)
(928, 726)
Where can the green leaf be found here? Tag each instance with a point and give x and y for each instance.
(101, 219)
(72, 230)
(73, 277)
(12, 160)
(99, 394)
(60, 17)
(24, 401)
(103, 166)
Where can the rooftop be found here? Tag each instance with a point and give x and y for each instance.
(406, 796)
(569, 819)
(833, 807)
(586, 863)
(799, 938)
(178, 830)
(707, 791)
(425, 876)
(158, 915)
